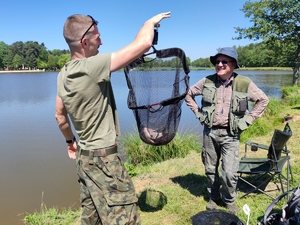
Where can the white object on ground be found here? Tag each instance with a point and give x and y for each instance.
(246, 210)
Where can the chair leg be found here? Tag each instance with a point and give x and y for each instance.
(287, 178)
(290, 171)
(256, 188)
(281, 183)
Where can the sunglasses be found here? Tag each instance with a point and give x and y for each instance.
(94, 22)
(223, 62)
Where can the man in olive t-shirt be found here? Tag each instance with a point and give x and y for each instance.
(85, 95)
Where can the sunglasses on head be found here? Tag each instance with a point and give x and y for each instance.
(223, 62)
(94, 22)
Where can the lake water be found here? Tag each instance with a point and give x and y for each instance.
(34, 163)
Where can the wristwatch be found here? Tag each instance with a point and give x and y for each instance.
(71, 141)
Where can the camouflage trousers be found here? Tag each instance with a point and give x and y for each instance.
(220, 145)
(107, 193)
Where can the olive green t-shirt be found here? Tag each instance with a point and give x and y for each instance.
(85, 89)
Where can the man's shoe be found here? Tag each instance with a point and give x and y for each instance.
(211, 205)
(232, 208)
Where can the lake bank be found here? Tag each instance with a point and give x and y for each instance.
(21, 71)
(191, 68)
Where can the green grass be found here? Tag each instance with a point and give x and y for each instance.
(52, 216)
(267, 68)
(171, 182)
(139, 153)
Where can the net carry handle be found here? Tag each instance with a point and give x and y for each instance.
(271, 206)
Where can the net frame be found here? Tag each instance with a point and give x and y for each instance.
(153, 128)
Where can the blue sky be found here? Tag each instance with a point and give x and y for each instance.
(198, 27)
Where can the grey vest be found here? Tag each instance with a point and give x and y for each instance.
(238, 113)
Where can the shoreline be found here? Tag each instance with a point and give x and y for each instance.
(192, 69)
(22, 71)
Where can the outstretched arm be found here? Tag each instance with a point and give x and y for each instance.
(64, 125)
(139, 46)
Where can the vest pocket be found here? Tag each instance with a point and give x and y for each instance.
(239, 103)
(242, 123)
(208, 104)
(209, 95)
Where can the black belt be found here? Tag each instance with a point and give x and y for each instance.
(102, 152)
(218, 127)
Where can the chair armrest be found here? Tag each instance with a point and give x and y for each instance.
(286, 151)
(255, 146)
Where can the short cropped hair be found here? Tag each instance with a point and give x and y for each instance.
(74, 28)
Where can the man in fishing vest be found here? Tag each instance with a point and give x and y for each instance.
(224, 113)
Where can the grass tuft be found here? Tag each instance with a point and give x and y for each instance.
(140, 153)
(51, 216)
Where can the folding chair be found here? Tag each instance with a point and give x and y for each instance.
(258, 172)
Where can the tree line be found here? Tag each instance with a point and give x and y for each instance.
(259, 55)
(32, 55)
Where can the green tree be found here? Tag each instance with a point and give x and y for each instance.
(41, 64)
(62, 59)
(32, 51)
(58, 52)
(42, 60)
(188, 60)
(3, 51)
(52, 61)
(8, 59)
(18, 48)
(17, 61)
(273, 21)
(202, 62)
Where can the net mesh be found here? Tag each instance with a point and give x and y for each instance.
(157, 88)
(215, 217)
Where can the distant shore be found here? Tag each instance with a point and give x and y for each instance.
(22, 71)
(191, 68)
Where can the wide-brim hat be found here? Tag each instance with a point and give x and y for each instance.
(228, 51)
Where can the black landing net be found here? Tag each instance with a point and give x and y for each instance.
(157, 87)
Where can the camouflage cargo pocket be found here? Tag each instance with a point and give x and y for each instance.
(110, 175)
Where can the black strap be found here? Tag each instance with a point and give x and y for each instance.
(271, 206)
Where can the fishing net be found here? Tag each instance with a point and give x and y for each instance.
(215, 217)
(157, 87)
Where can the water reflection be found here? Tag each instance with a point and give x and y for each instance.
(23, 88)
(33, 153)
(270, 81)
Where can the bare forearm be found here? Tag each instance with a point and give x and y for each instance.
(64, 126)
